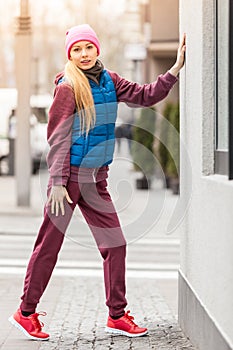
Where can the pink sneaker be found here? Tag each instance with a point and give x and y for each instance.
(125, 326)
(30, 326)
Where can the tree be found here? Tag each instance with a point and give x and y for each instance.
(142, 146)
(169, 135)
(172, 168)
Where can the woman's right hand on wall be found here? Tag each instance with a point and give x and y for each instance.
(56, 199)
(180, 59)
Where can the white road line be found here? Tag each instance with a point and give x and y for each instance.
(71, 264)
(23, 250)
(95, 273)
(144, 241)
(158, 241)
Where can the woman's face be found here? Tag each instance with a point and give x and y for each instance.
(84, 54)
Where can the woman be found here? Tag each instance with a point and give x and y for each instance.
(81, 138)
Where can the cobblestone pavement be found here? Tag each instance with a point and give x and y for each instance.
(77, 316)
(75, 304)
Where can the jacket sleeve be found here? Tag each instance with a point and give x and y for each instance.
(59, 132)
(143, 95)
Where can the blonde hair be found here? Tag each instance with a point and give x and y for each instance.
(83, 96)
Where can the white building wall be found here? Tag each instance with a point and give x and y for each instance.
(206, 274)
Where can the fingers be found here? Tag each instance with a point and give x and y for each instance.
(51, 202)
(183, 38)
(57, 200)
(182, 43)
(181, 51)
(69, 200)
(62, 208)
(52, 205)
(57, 208)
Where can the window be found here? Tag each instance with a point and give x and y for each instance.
(230, 90)
(222, 87)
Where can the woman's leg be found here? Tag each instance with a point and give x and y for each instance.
(100, 214)
(45, 252)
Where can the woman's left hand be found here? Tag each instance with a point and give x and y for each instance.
(174, 70)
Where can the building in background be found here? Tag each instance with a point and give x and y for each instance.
(151, 23)
(160, 25)
(50, 21)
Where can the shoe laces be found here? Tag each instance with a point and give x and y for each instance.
(129, 319)
(36, 322)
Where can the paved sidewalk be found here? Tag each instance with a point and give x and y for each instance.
(75, 304)
(77, 316)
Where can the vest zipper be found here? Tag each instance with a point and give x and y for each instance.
(106, 122)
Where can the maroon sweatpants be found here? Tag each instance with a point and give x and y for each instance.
(96, 205)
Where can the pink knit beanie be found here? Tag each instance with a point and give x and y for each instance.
(78, 33)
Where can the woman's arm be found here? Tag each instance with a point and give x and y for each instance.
(143, 95)
(59, 131)
(149, 94)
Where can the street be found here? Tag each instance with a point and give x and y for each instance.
(151, 252)
(77, 282)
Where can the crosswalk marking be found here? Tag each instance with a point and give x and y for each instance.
(71, 264)
(95, 273)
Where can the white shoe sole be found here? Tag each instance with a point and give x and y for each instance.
(17, 325)
(120, 332)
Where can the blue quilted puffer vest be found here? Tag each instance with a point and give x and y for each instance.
(96, 149)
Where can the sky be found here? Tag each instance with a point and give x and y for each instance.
(54, 8)
(12, 7)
